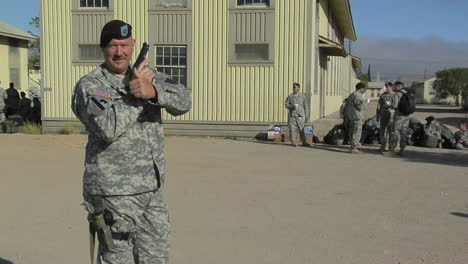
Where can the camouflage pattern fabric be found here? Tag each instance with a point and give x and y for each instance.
(299, 99)
(125, 159)
(145, 217)
(399, 128)
(385, 114)
(355, 132)
(296, 123)
(355, 104)
(433, 129)
(125, 150)
(3, 98)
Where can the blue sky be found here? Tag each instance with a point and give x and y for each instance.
(412, 19)
(397, 37)
(19, 12)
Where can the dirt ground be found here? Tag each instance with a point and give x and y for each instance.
(251, 202)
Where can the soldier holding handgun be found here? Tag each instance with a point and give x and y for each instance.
(120, 106)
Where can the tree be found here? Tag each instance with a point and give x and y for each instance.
(363, 78)
(452, 82)
(34, 60)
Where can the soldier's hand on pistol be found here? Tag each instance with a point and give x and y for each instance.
(141, 85)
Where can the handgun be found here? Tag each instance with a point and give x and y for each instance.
(143, 52)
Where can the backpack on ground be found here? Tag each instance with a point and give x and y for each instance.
(407, 104)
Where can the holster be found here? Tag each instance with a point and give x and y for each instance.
(97, 224)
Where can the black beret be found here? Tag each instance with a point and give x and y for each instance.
(430, 119)
(115, 29)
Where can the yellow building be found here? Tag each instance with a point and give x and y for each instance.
(425, 94)
(14, 57)
(239, 58)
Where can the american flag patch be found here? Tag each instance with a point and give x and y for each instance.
(102, 93)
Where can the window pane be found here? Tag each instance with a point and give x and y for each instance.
(183, 62)
(167, 71)
(159, 51)
(90, 3)
(253, 2)
(175, 52)
(105, 3)
(97, 3)
(160, 69)
(83, 3)
(183, 52)
(167, 61)
(171, 3)
(90, 52)
(175, 61)
(159, 61)
(167, 52)
(251, 52)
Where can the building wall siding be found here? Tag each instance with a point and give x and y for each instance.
(221, 92)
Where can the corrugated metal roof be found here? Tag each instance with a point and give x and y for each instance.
(12, 32)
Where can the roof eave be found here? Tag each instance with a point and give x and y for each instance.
(342, 10)
(28, 38)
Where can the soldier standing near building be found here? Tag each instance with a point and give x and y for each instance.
(296, 103)
(355, 104)
(125, 156)
(12, 102)
(3, 98)
(400, 126)
(385, 115)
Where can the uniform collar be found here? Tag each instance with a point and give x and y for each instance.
(119, 84)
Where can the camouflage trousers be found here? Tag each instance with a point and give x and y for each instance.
(385, 127)
(296, 123)
(355, 132)
(145, 217)
(399, 130)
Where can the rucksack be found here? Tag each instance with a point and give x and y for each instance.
(407, 104)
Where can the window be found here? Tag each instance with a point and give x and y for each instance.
(172, 60)
(171, 3)
(253, 2)
(251, 52)
(94, 3)
(90, 52)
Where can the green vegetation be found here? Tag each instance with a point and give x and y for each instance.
(452, 82)
(70, 129)
(30, 128)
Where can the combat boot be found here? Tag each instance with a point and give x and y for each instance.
(382, 148)
(390, 152)
(401, 152)
(355, 151)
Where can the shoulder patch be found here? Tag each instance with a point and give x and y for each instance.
(101, 93)
(171, 81)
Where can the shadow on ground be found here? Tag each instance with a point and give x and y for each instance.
(459, 214)
(452, 158)
(4, 261)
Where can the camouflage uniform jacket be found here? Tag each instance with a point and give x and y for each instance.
(384, 105)
(3, 97)
(355, 104)
(125, 153)
(299, 99)
(433, 130)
